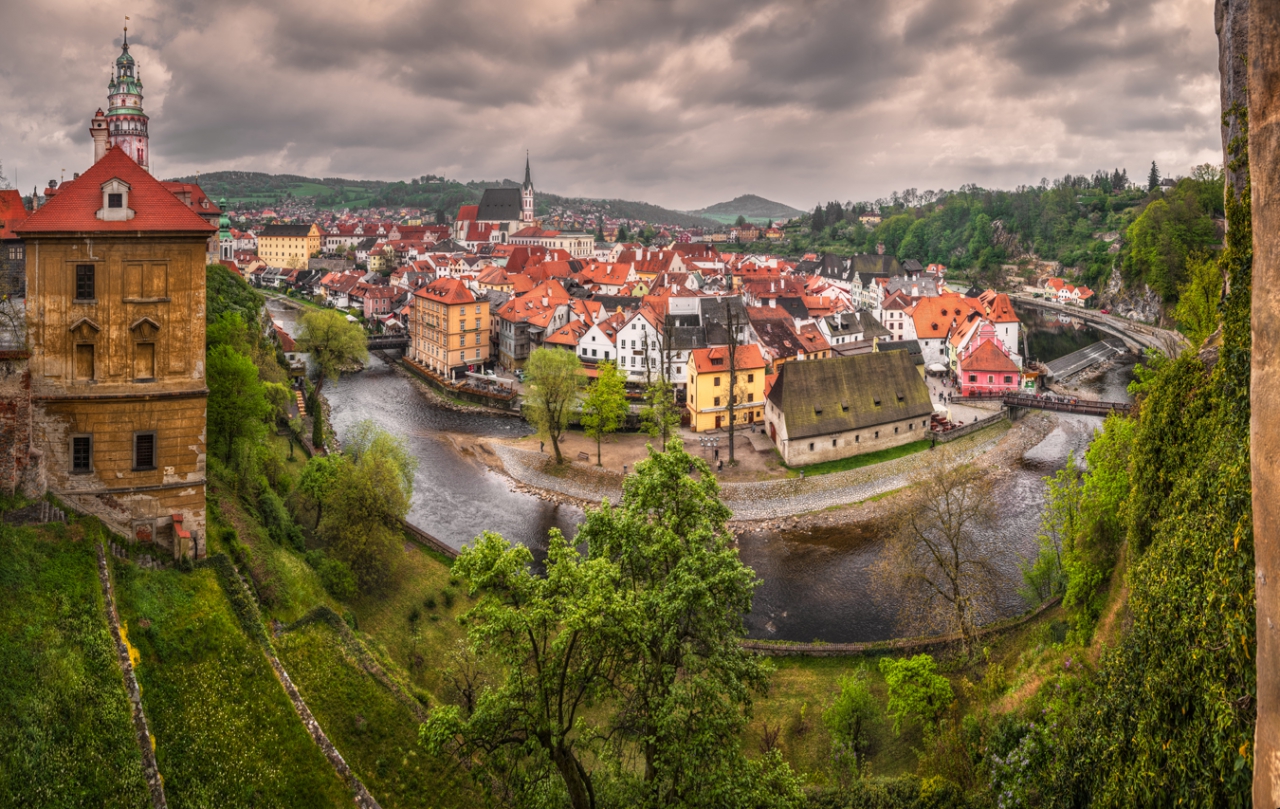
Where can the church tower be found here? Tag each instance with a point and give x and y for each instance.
(126, 122)
(526, 195)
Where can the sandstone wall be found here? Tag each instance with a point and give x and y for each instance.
(1263, 48)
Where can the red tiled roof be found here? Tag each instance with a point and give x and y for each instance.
(446, 290)
(988, 357)
(77, 203)
(12, 212)
(707, 360)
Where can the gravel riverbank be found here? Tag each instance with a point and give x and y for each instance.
(840, 497)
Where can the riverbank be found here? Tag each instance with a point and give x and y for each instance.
(839, 498)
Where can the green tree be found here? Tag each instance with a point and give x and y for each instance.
(333, 343)
(1153, 177)
(851, 720)
(1090, 552)
(741, 221)
(818, 221)
(644, 631)
(554, 639)
(362, 526)
(1045, 577)
(916, 691)
(660, 415)
(605, 406)
(553, 382)
(317, 481)
(237, 408)
(684, 682)
(1198, 299)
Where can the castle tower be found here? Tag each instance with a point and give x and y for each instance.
(126, 122)
(226, 245)
(526, 194)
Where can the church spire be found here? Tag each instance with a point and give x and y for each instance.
(526, 194)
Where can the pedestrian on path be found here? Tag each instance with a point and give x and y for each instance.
(542, 446)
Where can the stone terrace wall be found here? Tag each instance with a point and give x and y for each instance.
(21, 467)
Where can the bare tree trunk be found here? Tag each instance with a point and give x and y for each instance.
(1263, 48)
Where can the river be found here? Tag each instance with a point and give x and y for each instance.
(814, 584)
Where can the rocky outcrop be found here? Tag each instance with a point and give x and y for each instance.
(1140, 303)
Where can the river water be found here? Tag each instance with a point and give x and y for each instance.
(814, 585)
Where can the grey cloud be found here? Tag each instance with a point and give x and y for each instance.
(683, 102)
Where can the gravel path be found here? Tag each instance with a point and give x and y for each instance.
(765, 500)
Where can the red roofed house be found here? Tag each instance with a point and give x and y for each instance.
(449, 328)
(13, 263)
(986, 367)
(115, 313)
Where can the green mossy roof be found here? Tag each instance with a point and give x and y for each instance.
(821, 397)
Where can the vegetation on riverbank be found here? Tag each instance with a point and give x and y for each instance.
(859, 461)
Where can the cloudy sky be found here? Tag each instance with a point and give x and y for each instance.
(679, 102)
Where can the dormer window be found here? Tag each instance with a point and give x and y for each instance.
(115, 201)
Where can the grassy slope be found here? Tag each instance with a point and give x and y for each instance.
(226, 734)
(66, 731)
(420, 646)
(859, 461)
(375, 732)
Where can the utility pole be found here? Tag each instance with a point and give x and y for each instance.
(732, 323)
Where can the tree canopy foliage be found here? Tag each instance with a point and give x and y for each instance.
(553, 383)
(1167, 716)
(623, 681)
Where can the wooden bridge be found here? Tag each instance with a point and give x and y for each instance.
(1064, 404)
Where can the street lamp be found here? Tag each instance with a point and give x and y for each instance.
(710, 441)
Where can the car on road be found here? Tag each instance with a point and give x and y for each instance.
(1104, 311)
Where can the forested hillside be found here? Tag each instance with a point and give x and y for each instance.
(1093, 224)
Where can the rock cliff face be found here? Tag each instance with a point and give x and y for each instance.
(1249, 49)
(1141, 303)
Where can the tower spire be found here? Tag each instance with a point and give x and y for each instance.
(528, 178)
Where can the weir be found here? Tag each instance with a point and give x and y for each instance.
(1087, 357)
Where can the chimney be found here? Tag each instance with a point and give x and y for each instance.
(98, 129)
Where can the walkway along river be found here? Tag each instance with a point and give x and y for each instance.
(814, 583)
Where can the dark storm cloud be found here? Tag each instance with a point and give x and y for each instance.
(683, 102)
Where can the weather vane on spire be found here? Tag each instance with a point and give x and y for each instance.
(126, 31)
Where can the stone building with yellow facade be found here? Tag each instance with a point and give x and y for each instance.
(289, 245)
(115, 329)
(709, 387)
(449, 328)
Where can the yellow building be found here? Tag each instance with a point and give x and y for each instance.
(115, 329)
(449, 328)
(708, 398)
(289, 245)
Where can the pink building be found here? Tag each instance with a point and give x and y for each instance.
(985, 367)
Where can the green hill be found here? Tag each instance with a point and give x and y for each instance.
(255, 188)
(750, 206)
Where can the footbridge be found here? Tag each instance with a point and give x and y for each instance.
(386, 342)
(1066, 404)
(1136, 336)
